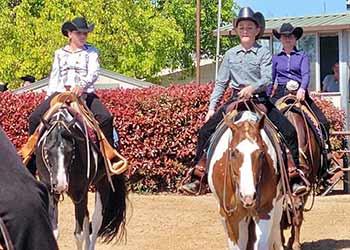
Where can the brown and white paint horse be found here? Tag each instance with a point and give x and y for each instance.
(243, 177)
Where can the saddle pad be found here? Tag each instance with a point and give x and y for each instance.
(310, 118)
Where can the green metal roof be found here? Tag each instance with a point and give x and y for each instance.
(319, 23)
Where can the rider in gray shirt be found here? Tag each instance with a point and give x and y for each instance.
(241, 68)
(247, 70)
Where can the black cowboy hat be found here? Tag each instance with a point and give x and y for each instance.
(247, 13)
(3, 87)
(78, 24)
(288, 29)
(28, 78)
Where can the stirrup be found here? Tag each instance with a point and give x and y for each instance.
(191, 188)
(303, 178)
(300, 193)
(194, 175)
(333, 170)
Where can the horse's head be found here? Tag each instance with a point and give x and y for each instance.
(57, 150)
(246, 157)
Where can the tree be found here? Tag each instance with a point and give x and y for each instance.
(184, 12)
(132, 36)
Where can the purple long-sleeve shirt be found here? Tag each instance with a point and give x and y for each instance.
(294, 67)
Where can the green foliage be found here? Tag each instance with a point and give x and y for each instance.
(133, 38)
(138, 38)
(184, 11)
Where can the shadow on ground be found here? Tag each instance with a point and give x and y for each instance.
(327, 244)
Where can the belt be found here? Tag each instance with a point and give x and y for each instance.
(257, 96)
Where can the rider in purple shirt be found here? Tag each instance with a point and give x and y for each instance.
(292, 67)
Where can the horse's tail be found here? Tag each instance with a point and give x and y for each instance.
(114, 212)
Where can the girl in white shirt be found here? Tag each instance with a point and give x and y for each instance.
(75, 67)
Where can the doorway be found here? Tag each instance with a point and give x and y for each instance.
(329, 54)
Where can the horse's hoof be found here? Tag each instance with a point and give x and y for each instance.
(296, 246)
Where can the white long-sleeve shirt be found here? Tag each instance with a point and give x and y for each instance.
(74, 68)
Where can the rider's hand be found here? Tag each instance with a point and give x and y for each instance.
(78, 90)
(246, 92)
(301, 94)
(209, 114)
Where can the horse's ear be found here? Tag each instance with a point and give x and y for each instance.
(45, 123)
(229, 122)
(260, 124)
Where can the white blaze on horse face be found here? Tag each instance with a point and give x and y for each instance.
(247, 186)
(62, 183)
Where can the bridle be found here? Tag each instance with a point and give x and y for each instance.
(59, 195)
(229, 169)
(45, 157)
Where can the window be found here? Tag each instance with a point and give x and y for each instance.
(308, 44)
(276, 46)
(265, 42)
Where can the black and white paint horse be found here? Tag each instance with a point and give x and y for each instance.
(68, 161)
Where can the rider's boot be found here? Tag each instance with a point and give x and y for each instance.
(197, 176)
(299, 183)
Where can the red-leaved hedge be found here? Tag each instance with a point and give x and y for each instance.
(157, 128)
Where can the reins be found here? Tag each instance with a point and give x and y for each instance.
(229, 167)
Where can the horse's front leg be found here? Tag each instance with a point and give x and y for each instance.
(53, 213)
(229, 233)
(276, 234)
(263, 228)
(235, 228)
(297, 228)
(82, 228)
(96, 217)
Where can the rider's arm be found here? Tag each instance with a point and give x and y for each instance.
(305, 72)
(93, 70)
(224, 77)
(54, 77)
(265, 70)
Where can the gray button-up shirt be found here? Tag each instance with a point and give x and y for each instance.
(241, 68)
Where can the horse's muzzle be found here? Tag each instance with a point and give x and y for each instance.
(59, 189)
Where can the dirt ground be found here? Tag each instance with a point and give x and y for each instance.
(174, 222)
